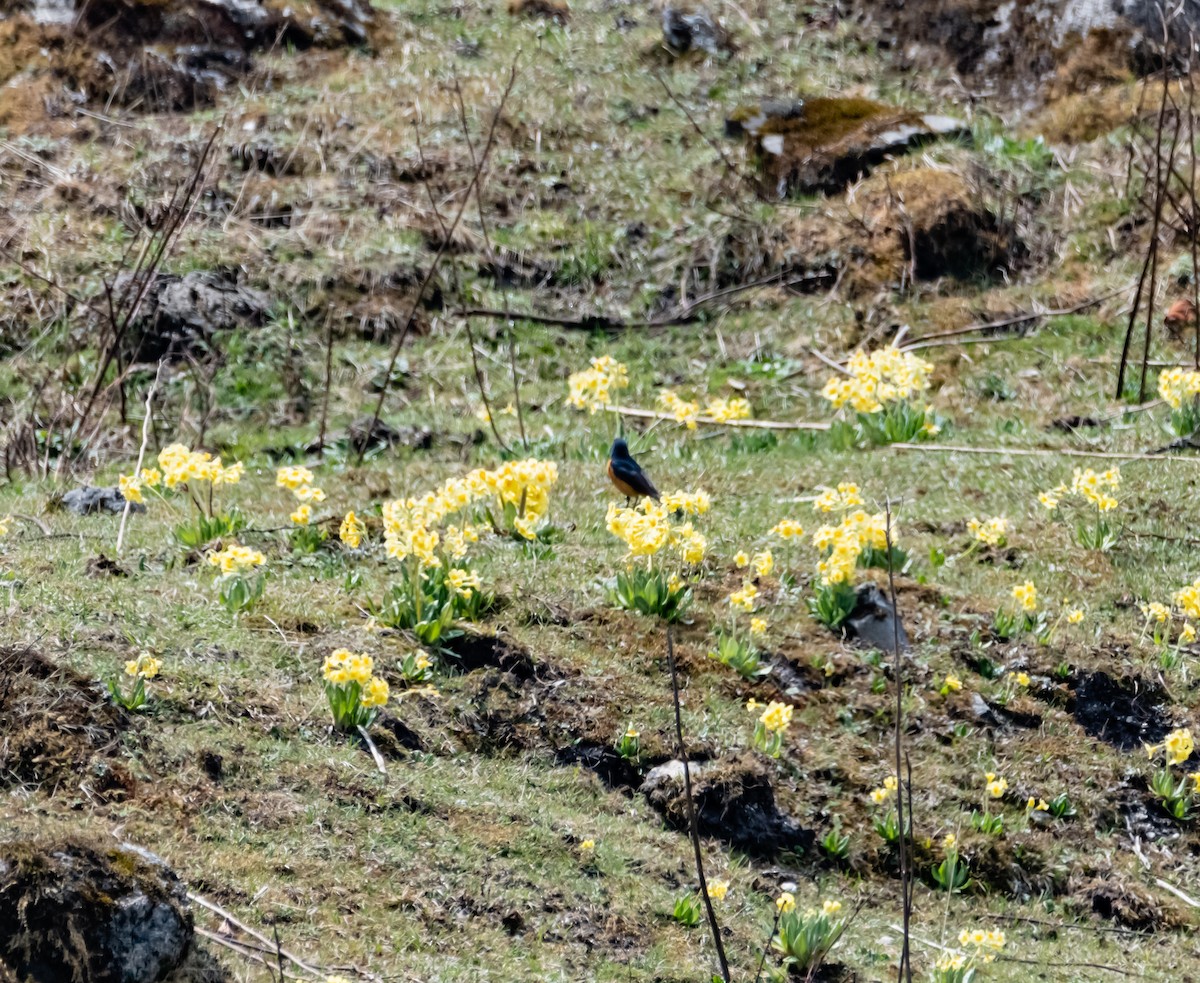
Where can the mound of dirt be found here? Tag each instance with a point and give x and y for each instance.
(154, 56)
(734, 802)
(59, 728)
(1131, 907)
(82, 911)
(1125, 713)
(817, 145)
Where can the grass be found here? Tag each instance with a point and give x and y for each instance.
(463, 861)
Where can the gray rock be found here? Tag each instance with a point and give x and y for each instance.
(873, 622)
(74, 910)
(180, 315)
(88, 500)
(685, 31)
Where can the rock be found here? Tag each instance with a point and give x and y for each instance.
(820, 145)
(74, 910)
(180, 315)
(734, 802)
(612, 769)
(364, 435)
(88, 500)
(873, 621)
(697, 30)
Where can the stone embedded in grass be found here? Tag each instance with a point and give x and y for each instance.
(734, 802)
(693, 30)
(88, 501)
(873, 622)
(86, 911)
(822, 144)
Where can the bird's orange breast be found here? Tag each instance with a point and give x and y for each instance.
(621, 486)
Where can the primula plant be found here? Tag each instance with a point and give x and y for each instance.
(1178, 792)
(241, 580)
(305, 537)
(1091, 498)
(144, 667)
(661, 545)
(978, 948)
(804, 938)
(197, 474)
(1180, 390)
(858, 540)
(883, 390)
(355, 693)
(770, 730)
(1027, 617)
(717, 409)
(886, 820)
(592, 389)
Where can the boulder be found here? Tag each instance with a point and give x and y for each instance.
(88, 501)
(92, 913)
(822, 144)
(873, 622)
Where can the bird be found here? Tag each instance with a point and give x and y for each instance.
(627, 475)
(1180, 316)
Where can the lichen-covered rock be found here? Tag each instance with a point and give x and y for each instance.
(89, 500)
(90, 913)
(810, 146)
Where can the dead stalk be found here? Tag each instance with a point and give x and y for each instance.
(137, 470)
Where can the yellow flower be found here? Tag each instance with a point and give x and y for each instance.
(131, 488)
(375, 692)
(741, 559)
(1179, 745)
(1074, 616)
(684, 411)
(1050, 499)
(763, 563)
(830, 907)
(587, 846)
(293, 478)
(150, 477)
(1026, 595)
(758, 626)
(952, 683)
(787, 529)
(718, 889)
(145, 666)
(463, 582)
(302, 515)
(744, 598)
(883, 794)
(1195, 777)
(593, 388)
(1156, 611)
(1188, 599)
(674, 583)
(1177, 385)
(786, 902)
(994, 532)
(352, 530)
(309, 493)
(1036, 805)
(1022, 679)
(949, 841)
(1187, 635)
(5, 524)
(887, 375)
(951, 962)
(996, 787)
(777, 717)
(237, 559)
(845, 496)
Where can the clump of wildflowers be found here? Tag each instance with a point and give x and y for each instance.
(241, 580)
(144, 667)
(355, 693)
(1177, 795)
(198, 474)
(883, 389)
(1179, 389)
(770, 730)
(352, 531)
(993, 532)
(980, 947)
(653, 533)
(804, 938)
(858, 540)
(1094, 488)
(592, 389)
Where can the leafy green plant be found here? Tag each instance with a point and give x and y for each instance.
(1177, 797)
(629, 745)
(307, 539)
(354, 693)
(427, 602)
(887, 825)
(1096, 534)
(952, 875)
(835, 844)
(205, 529)
(740, 654)
(687, 910)
(897, 423)
(831, 604)
(991, 823)
(144, 667)
(805, 938)
(240, 592)
(650, 592)
(1061, 807)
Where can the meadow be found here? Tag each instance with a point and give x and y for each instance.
(384, 669)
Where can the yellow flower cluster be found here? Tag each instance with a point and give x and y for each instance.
(1187, 599)
(1178, 745)
(1176, 386)
(844, 543)
(343, 667)
(887, 375)
(744, 599)
(352, 530)
(724, 410)
(144, 666)
(777, 717)
(885, 792)
(787, 529)
(758, 627)
(236, 559)
(985, 942)
(996, 787)
(845, 496)
(299, 481)
(179, 466)
(1096, 487)
(463, 582)
(994, 532)
(693, 503)
(303, 514)
(1156, 611)
(1026, 595)
(647, 528)
(684, 411)
(786, 902)
(593, 388)
(717, 890)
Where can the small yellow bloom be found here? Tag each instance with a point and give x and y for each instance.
(949, 841)
(741, 559)
(144, 666)
(1075, 616)
(952, 683)
(1026, 595)
(777, 717)
(1187, 635)
(764, 563)
(1022, 679)
(831, 907)
(375, 693)
(131, 488)
(787, 529)
(718, 889)
(352, 530)
(1036, 805)
(758, 626)
(587, 845)
(996, 787)
(302, 516)
(1156, 611)
(786, 902)
(1179, 745)
(744, 598)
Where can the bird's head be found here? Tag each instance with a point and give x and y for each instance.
(620, 449)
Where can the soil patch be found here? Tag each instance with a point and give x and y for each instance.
(1125, 713)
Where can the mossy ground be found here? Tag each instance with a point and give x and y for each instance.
(463, 862)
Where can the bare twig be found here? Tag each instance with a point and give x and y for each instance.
(1036, 452)
(216, 909)
(379, 763)
(693, 824)
(1009, 322)
(641, 414)
(328, 383)
(905, 968)
(141, 459)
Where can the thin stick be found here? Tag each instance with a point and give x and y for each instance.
(1037, 452)
(1178, 893)
(904, 971)
(328, 383)
(246, 951)
(141, 456)
(641, 414)
(762, 962)
(216, 909)
(437, 259)
(1009, 322)
(693, 825)
(379, 763)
